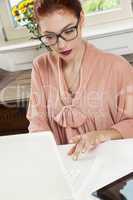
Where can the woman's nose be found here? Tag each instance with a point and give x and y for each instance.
(61, 43)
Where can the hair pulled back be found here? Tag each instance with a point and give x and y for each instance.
(43, 7)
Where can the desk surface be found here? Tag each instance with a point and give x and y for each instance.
(109, 161)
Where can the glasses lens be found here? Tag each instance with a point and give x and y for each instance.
(49, 39)
(70, 34)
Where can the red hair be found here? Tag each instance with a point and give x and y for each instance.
(42, 7)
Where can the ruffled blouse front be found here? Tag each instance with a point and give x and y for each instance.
(72, 115)
(95, 105)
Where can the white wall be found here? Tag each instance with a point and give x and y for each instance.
(0, 34)
(4, 60)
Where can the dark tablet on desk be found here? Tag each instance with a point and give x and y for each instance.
(121, 189)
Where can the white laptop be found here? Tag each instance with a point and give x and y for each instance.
(31, 169)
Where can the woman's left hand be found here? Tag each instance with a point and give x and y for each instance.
(87, 142)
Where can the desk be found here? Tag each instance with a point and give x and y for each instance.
(112, 160)
(21, 157)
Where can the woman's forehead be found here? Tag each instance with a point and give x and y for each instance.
(56, 21)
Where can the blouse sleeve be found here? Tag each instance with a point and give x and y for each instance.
(124, 116)
(37, 110)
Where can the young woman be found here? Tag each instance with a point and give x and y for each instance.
(82, 94)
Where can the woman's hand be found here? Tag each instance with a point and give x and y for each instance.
(86, 142)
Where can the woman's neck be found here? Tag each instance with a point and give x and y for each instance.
(74, 65)
(72, 71)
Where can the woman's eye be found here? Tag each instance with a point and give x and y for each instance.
(69, 31)
(49, 37)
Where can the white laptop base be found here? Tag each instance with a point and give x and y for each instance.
(30, 169)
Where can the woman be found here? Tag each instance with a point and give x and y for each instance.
(82, 94)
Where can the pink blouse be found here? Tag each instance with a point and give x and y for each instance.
(103, 100)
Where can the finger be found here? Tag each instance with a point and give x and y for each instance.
(92, 147)
(98, 140)
(89, 146)
(78, 150)
(72, 150)
(83, 148)
(75, 139)
(103, 138)
(86, 145)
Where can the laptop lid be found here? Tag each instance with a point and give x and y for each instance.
(31, 169)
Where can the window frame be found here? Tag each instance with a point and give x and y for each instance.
(124, 12)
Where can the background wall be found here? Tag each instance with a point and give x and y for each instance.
(1, 35)
(4, 61)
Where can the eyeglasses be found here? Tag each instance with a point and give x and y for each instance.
(68, 34)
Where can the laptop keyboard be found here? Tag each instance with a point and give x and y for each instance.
(76, 172)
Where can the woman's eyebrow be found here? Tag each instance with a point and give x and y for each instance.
(62, 29)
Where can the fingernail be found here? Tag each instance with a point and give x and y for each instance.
(83, 151)
(75, 157)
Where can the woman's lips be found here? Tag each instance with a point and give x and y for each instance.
(67, 52)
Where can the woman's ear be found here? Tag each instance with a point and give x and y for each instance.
(82, 18)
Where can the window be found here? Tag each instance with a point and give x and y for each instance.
(97, 12)
(11, 28)
(103, 11)
(12, 3)
(95, 6)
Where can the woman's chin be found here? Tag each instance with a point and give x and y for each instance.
(67, 57)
